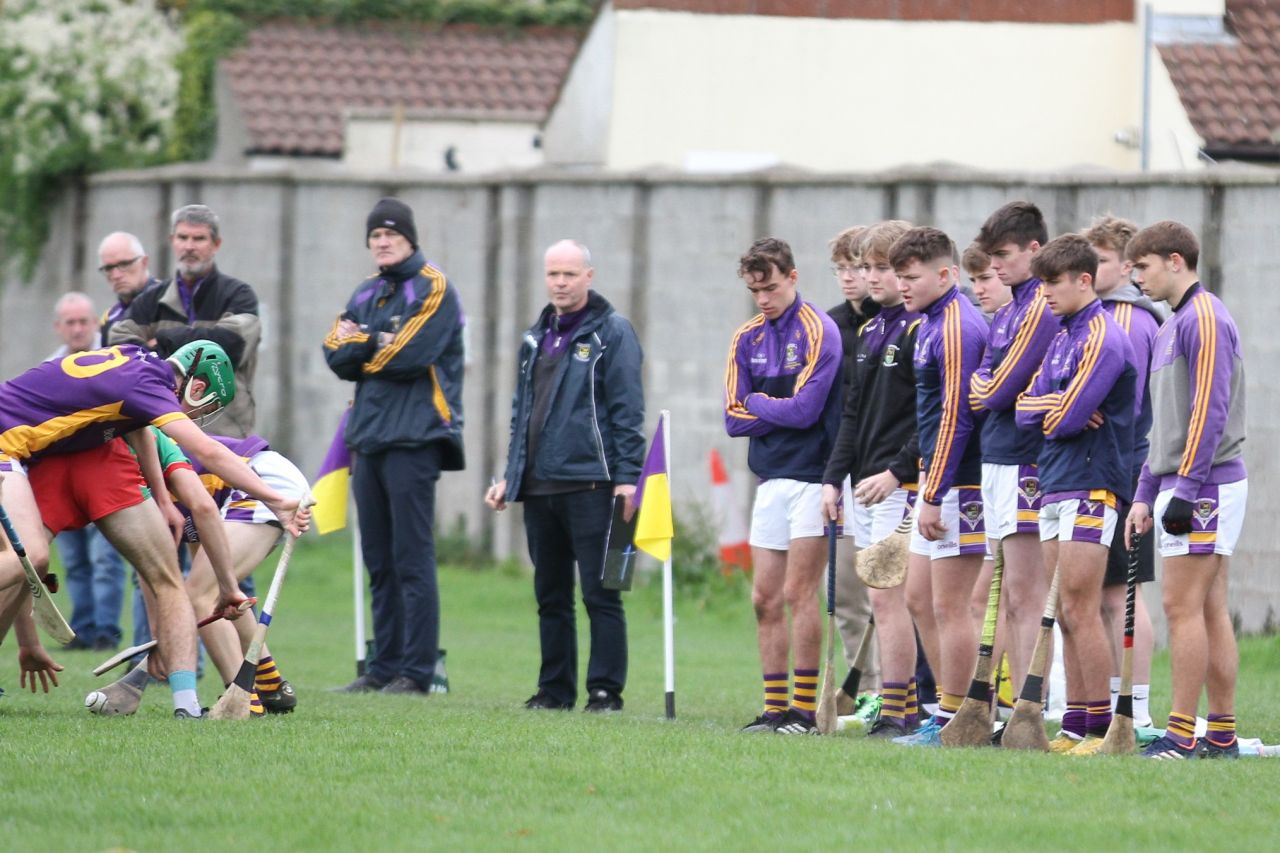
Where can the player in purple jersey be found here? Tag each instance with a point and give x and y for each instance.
(1081, 401)
(250, 534)
(1194, 484)
(782, 391)
(63, 419)
(1140, 318)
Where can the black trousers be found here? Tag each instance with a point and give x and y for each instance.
(563, 530)
(395, 495)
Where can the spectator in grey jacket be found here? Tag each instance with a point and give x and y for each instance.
(577, 441)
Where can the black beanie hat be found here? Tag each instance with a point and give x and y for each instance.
(394, 214)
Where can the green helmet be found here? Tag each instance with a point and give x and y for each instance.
(208, 361)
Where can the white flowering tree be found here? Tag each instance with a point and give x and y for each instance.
(84, 85)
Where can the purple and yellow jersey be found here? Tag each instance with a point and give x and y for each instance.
(1141, 325)
(245, 448)
(85, 400)
(781, 390)
(1021, 331)
(1198, 397)
(949, 348)
(1088, 368)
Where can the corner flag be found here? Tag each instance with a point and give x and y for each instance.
(654, 529)
(331, 486)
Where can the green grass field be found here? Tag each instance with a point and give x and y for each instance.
(474, 770)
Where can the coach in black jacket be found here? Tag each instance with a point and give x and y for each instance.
(400, 341)
(577, 441)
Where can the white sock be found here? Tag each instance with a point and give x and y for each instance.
(188, 701)
(1142, 704)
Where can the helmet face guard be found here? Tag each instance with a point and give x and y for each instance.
(207, 361)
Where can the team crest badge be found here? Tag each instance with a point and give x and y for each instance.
(792, 360)
(1206, 509)
(1030, 487)
(971, 512)
(890, 356)
(582, 352)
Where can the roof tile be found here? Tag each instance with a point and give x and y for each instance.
(295, 80)
(1229, 91)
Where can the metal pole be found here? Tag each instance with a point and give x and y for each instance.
(357, 578)
(1147, 47)
(668, 610)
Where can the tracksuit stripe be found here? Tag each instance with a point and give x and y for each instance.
(1084, 374)
(1205, 363)
(733, 406)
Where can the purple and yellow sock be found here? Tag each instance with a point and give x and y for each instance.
(1181, 729)
(775, 694)
(893, 706)
(267, 677)
(948, 704)
(255, 705)
(913, 704)
(1222, 729)
(1076, 718)
(804, 698)
(1097, 717)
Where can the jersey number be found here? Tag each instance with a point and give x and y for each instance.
(85, 365)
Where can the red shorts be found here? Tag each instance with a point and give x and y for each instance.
(75, 489)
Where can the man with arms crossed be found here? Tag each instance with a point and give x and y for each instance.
(1194, 484)
(1141, 319)
(782, 391)
(1020, 333)
(877, 446)
(949, 539)
(1081, 400)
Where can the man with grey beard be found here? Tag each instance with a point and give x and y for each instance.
(200, 302)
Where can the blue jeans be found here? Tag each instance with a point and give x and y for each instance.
(95, 582)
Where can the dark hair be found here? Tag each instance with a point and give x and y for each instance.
(1017, 222)
(974, 260)
(763, 256)
(1071, 254)
(1163, 239)
(921, 244)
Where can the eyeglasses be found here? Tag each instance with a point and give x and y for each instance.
(841, 270)
(108, 269)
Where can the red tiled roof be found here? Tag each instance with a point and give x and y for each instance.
(294, 81)
(1230, 91)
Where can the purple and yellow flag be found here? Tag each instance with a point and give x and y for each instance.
(332, 484)
(654, 530)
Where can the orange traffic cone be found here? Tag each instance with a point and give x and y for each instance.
(735, 552)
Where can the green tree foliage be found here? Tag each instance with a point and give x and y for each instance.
(85, 85)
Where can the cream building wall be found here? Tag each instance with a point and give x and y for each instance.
(708, 92)
(481, 144)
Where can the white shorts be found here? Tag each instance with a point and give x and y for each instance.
(1216, 520)
(785, 510)
(962, 519)
(1091, 519)
(871, 524)
(1010, 499)
(278, 473)
(9, 465)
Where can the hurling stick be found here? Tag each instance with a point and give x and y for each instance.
(971, 726)
(43, 608)
(234, 703)
(1025, 729)
(125, 654)
(827, 702)
(1120, 736)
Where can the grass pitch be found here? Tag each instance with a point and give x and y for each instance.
(474, 770)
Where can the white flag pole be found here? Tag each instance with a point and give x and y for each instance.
(357, 578)
(668, 611)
